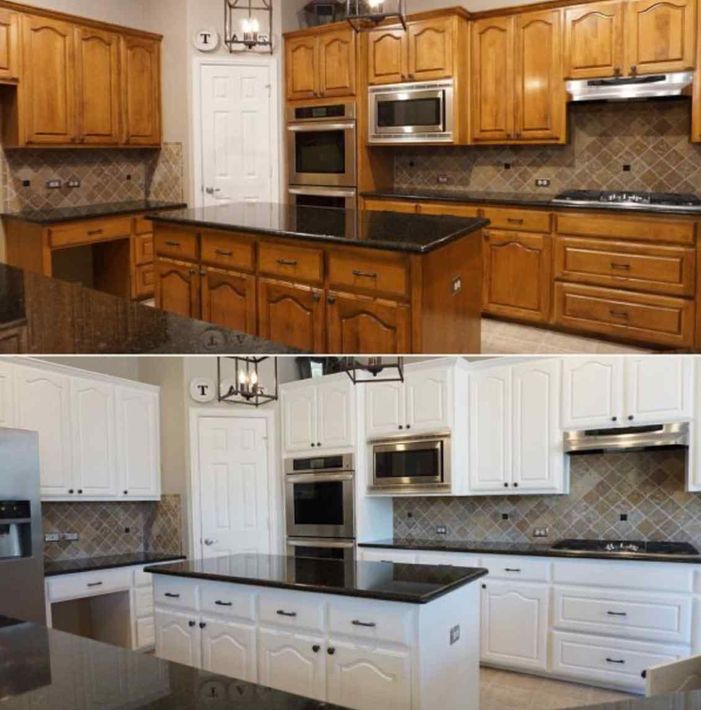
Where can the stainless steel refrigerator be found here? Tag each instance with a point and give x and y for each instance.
(21, 538)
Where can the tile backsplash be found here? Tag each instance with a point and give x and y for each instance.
(647, 487)
(652, 138)
(105, 175)
(113, 528)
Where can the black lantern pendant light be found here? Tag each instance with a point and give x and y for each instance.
(242, 25)
(371, 370)
(366, 13)
(245, 385)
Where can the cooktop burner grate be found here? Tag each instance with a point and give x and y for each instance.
(640, 200)
(629, 547)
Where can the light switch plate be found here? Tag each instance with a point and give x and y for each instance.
(53, 184)
(71, 537)
(541, 532)
(52, 537)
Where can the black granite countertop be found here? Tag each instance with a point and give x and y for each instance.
(45, 669)
(61, 317)
(92, 564)
(519, 199)
(57, 215)
(413, 584)
(379, 230)
(519, 548)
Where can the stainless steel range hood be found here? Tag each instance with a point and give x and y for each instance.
(627, 438)
(630, 88)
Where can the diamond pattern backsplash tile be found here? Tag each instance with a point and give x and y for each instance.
(647, 486)
(651, 137)
(113, 528)
(105, 176)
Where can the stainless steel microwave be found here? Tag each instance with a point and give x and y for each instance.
(411, 463)
(411, 113)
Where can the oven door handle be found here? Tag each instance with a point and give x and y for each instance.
(318, 477)
(314, 542)
(318, 127)
(322, 192)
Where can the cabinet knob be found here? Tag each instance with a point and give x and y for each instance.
(484, 586)
(202, 625)
(71, 491)
(408, 426)
(617, 71)
(506, 485)
(316, 648)
(515, 485)
(316, 297)
(614, 419)
(331, 300)
(630, 417)
(318, 444)
(192, 624)
(313, 445)
(331, 651)
(401, 426)
(633, 69)
(126, 493)
(80, 490)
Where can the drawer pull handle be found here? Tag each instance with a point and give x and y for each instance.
(514, 220)
(170, 595)
(617, 613)
(366, 624)
(218, 603)
(620, 661)
(192, 624)
(224, 252)
(511, 569)
(365, 274)
(291, 614)
(95, 232)
(173, 244)
(623, 315)
(95, 584)
(620, 266)
(287, 262)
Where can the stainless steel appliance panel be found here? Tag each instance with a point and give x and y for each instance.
(321, 548)
(339, 198)
(638, 438)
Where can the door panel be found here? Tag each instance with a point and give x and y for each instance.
(299, 411)
(387, 60)
(592, 392)
(178, 288)
(141, 90)
(9, 45)
(229, 649)
(335, 414)
(301, 63)
(430, 49)
(337, 63)
(385, 411)
(229, 300)
(178, 638)
(428, 400)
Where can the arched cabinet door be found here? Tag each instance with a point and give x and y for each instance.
(141, 90)
(387, 56)
(337, 63)
(178, 288)
(301, 65)
(431, 49)
(229, 300)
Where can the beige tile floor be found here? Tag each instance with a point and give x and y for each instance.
(503, 690)
(501, 338)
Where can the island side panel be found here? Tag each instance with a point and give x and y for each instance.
(448, 674)
(26, 246)
(451, 300)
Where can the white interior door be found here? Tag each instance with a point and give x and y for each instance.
(237, 133)
(233, 479)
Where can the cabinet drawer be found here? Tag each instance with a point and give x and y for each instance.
(405, 206)
(611, 661)
(625, 614)
(517, 568)
(620, 227)
(143, 601)
(291, 262)
(391, 623)
(383, 274)
(143, 226)
(176, 243)
(294, 610)
(662, 320)
(143, 249)
(145, 633)
(88, 232)
(644, 576)
(521, 220)
(450, 559)
(447, 208)
(228, 600)
(88, 584)
(172, 591)
(659, 269)
(228, 251)
(389, 555)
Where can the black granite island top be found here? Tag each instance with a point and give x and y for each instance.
(392, 231)
(519, 548)
(45, 669)
(92, 564)
(55, 317)
(413, 584)
(517, 199)
(57, 215)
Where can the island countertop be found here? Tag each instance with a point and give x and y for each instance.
(391, 231)
(413, 584)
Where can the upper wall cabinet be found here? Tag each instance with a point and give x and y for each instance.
(320, 64)
(141, 93)
(9, 46)
(517, 89)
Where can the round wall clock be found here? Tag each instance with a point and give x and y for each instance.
(203, 390)
(206, 40)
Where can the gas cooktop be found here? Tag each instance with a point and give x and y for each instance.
(663, 201)
(627, 547)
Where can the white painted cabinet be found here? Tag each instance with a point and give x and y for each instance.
(295, 663)
(368, 678)
(229, 648)
(625, 391)
(384, 409)
(178, 638)
(7, 395)
(318, 415)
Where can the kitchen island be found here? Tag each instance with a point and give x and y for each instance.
(362, 635)
(325, 280)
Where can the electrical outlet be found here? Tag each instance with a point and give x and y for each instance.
(52, 537)
(542, 182)
(53, 184)
(70, 537)
(74, 182)
(457, 285)
(443, 180)
(541, 532)
(454, 635)
(441, 530)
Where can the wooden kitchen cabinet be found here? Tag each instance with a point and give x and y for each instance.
(387, 61)
(178, 288)
(9, 46)
(337, 70)
(98, 87)
(301, 64)
(229, 299)
(141, 90)
(517, 279)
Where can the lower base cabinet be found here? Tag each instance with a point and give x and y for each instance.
(178, 638)
(229, 648)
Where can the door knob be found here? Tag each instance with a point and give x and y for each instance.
(211, 190)
(209, 541)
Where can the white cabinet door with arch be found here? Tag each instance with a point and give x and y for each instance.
(659, 388)
(538, 464)
(428, 399)
(139, 447)
(43, 405)
(490, 430)
(7, 395)
(385, 409)
(369, 678)
(515, 625)
(229, 649)
(299, 415)
(592, 392)
(336, 413)
(295, 663)
(178, 638)
(94, 451)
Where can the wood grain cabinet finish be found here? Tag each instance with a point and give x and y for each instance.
(98, 87)
(178, 288)
(301, 65)
(431, 49)
(229, 299)
(141, 91)
(387, 56)
(9, 46)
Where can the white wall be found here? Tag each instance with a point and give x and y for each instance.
(126, 367)
(120, 12)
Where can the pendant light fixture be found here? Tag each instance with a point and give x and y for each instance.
(362, 14)
(242, 25)
(239, 381)
(371, 370)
